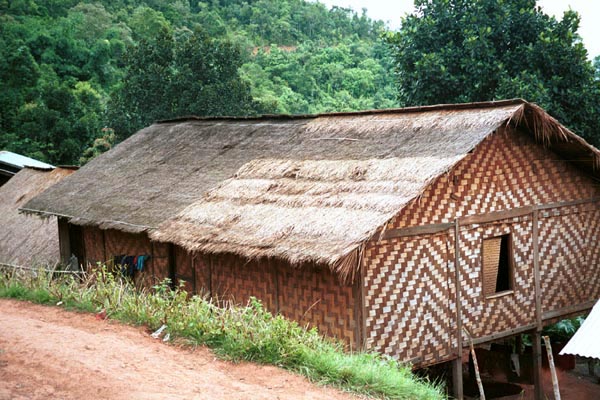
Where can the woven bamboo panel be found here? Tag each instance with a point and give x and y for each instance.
(569, 259)
(93, 240)
(314, 296)
(159, 264)
(407, 299)
(237, 279)
(504, 172)
(184, 271)
(202, 270)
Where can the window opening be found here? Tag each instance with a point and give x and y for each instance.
(497, 265)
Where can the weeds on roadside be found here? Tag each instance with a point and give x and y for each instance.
(235, 333)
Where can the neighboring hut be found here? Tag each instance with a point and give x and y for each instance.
(350, 221)
(11, 163)
(27, 241)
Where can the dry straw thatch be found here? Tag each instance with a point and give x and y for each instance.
(302, 188)
(25, 240)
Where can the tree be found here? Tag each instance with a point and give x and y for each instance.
(172, 75)
(452, 51)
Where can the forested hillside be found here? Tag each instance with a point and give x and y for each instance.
(77, 75)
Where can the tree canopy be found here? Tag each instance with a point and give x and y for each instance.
(72, 69)
(451, 51)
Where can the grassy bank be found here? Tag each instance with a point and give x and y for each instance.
(235, 333)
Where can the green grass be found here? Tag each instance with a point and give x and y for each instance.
(235, 333)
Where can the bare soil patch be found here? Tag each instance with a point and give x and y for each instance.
(47, 352)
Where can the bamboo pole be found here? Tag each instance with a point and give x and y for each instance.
(34, 269)
(552, 369)
(477, 376)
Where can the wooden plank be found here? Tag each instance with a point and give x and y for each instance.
(477, 219)
(457, 363)
(569, 310)
(496, 216)
(63, 240)
(363, 310)
(105, 260)
(536, 270)
(567, 203)
(503, 334)
(273, 266)
(210, 276)
(356, 294)
(416, 230)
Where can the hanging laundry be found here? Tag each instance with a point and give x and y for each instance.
(128, 265)
(140, 262)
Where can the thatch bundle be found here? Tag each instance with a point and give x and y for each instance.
(302, 188)
(25, 240)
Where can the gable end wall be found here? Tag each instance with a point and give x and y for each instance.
(409, 282)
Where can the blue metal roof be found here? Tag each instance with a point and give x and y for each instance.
(19, 161)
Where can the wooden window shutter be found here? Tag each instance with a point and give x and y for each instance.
(491, 263)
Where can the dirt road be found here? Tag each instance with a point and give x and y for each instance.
(49, 353)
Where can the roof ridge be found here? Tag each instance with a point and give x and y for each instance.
(412, 109)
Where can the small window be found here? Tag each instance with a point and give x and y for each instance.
(497, 265)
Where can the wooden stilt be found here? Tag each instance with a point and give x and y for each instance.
(536, 336)
(457, 379)
(537, 366)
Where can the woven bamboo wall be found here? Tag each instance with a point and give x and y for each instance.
(307, 294)
(184, 269)
(316, 297)
(102, 246)
(93, 240)
(202, 274)
(407, 299)
(236, 279)
(570, 257)
(159, 265)
(507, 170)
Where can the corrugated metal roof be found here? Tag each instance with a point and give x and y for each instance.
(585, 341)
(19, 161)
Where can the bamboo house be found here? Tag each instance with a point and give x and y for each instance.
(27, 241)
(391, 229)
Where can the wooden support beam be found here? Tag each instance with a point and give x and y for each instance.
(537, 365)
(64, 242)
(457, 379)
(171, 266)
(503, 334)
(537, 339)
(457, 374)
(569, 310)
(416, 230)
(567, 203)
(536, 271)
(496, 216)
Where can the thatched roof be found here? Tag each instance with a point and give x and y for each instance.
(26, 240)
(303, 188)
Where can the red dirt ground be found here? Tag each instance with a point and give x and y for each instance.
(50, 353)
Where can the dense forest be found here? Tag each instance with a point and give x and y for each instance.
(78, 76)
